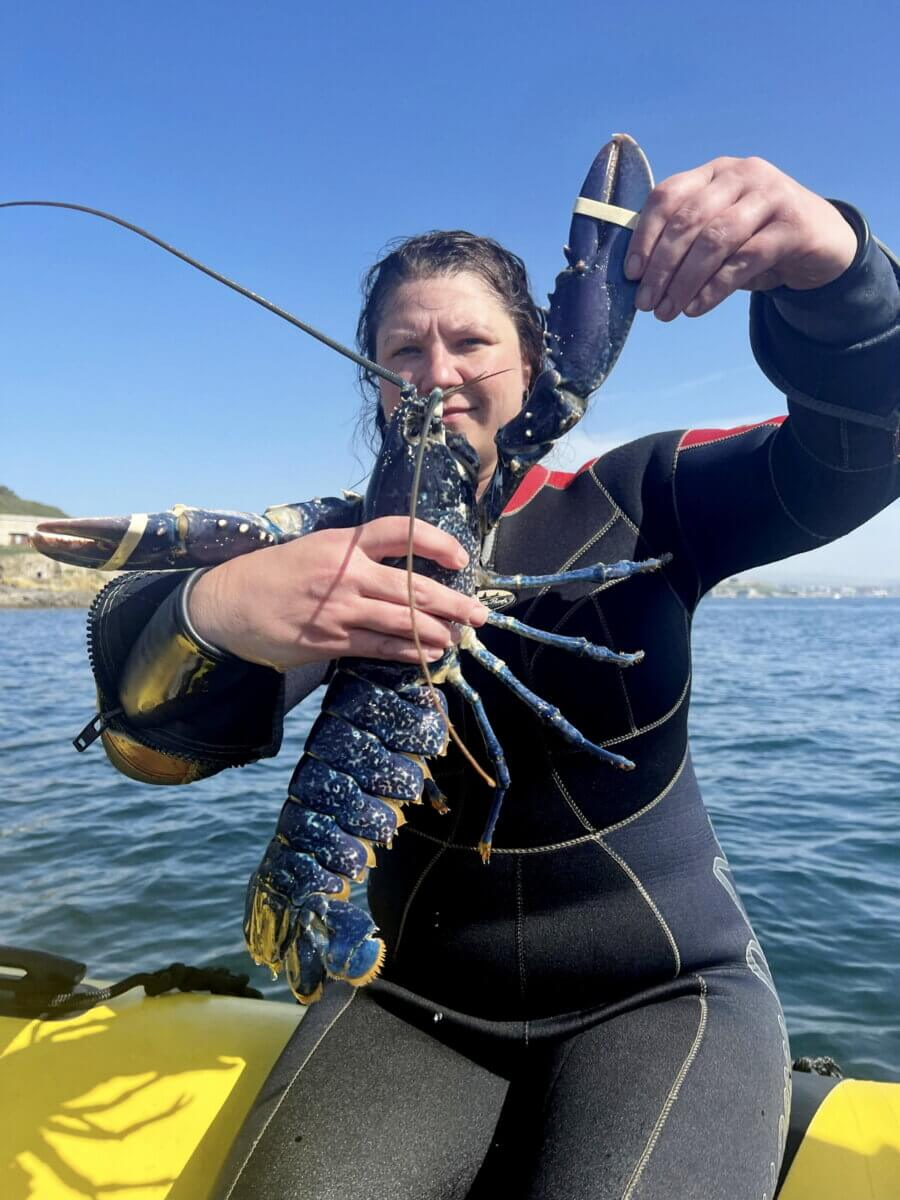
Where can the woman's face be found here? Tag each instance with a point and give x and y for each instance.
(446, 330)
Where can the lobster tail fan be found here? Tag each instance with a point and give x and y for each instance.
(304, 969)
(353, 953)
(268, 923)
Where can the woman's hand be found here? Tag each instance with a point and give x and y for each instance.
(328, 595)
(734, 223)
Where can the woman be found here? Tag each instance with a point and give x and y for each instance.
(590, 1015)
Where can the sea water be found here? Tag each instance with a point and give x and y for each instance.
(795, 736)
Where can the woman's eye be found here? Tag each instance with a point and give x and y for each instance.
(403, 351)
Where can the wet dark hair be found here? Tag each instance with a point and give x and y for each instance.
(444, 252)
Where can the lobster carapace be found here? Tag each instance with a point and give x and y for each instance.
(367, 753)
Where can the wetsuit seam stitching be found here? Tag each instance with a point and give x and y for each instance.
(572, 610)
(672, 1097)
(641, 537)
(628, 870)
(571, 843)
(520, 942)
(268, 1121)
(557, 779)
(572, 559)
(615, 504)
(548, 1094)
(649, 806)
(820, 537)
(648, 900)
(625, 737)
(771, 424)
(530, 660)
(531, 499)
(410, 899)
(845, 444)
(620, 674)
(823, 462)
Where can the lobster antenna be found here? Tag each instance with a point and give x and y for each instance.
(359, 359)
(423, 663)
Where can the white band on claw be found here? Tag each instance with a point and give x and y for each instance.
(133, 535)
(606, 212)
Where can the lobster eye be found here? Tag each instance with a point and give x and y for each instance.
(415, 415)
(412, 427)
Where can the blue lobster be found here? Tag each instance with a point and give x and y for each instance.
(367, 753)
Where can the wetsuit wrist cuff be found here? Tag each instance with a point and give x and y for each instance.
(862, 303)
(183, 617)
(170, 666)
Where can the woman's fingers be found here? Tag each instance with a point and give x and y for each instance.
(720, 244)
(388, 537)
(679, 211)
(363, 643)
(748, 267)
(733, 223)
(390, 584)
(666, 199)
(395, 620)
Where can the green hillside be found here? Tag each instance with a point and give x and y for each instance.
(11, 503)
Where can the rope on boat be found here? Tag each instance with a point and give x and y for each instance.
(823, 1065)
(217, 980)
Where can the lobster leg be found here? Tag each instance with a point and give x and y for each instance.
(547, 712)
(598, 573)
(575, 645)
(495, 753)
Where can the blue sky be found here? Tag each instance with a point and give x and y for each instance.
(285, 143)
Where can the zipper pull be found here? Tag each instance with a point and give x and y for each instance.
(93, 729)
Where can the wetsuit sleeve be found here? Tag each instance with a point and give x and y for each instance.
(175, 709)
(757, 494)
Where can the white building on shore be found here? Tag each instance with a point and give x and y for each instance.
(16, 529)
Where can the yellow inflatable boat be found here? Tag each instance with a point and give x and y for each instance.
(140, 1098)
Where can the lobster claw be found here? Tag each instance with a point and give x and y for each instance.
(180, 537)
(592, 307)
(185, 537)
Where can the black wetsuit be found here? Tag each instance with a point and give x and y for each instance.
(591, 1014)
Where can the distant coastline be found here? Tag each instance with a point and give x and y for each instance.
(756, 589)
(28, 580)
(11, 598)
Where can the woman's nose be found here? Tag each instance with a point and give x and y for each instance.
(438, 368)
